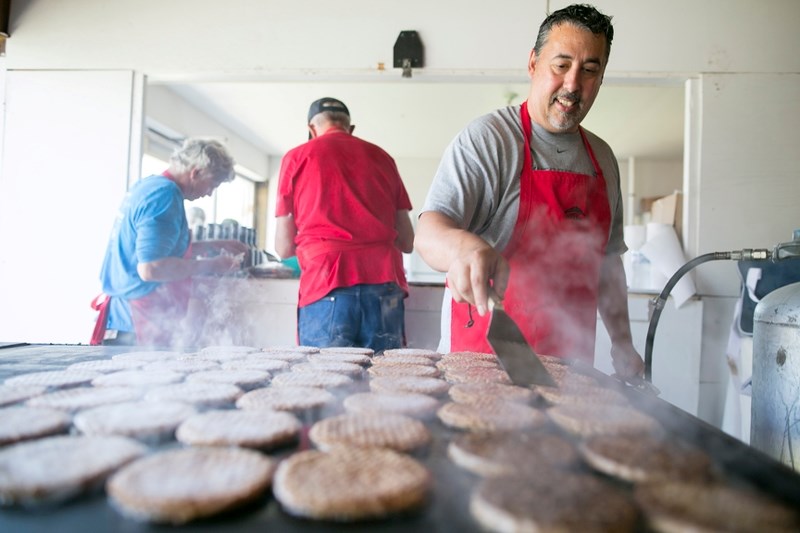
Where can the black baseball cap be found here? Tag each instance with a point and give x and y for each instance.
(326, 104)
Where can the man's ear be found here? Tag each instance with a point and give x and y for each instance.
(312, 132)
(353, 127)
(531, 62)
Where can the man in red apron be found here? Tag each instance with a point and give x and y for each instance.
(342, 209)
(527, 204)
(149, 261)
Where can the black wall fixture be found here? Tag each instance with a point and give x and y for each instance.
(5, 15)
(408, 52)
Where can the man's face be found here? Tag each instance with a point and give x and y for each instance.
(202, 183)
(566, 77)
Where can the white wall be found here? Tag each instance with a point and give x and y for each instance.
(653, 178)
(173, 111)
(254, 37)
(744, 191)
(58, 196)
(748, 181)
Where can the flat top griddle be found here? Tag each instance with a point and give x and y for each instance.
(448, 505)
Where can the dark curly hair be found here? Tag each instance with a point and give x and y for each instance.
(580, 15)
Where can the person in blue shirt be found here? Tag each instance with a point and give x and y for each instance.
(150, 259)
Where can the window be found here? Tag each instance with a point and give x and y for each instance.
(234, 200)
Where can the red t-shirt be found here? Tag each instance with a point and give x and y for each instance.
(344, 193)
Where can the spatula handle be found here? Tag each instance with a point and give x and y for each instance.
(495, 302)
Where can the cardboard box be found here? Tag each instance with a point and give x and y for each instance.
(646, 204)
(669, 210)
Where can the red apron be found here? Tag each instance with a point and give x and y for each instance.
(157, 317)
(555, 255)
(100, 304)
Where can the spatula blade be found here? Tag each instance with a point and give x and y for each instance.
(516, 355)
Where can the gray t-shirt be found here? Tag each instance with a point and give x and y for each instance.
(477, 182)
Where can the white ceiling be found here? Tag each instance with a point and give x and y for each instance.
(412, 119)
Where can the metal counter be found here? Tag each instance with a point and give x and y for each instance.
(446, 510)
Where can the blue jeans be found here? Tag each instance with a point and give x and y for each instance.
(369, 316)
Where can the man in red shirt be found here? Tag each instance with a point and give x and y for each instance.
(343, 210)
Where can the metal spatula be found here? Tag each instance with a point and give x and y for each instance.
(517, 357)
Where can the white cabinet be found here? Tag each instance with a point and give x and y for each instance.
(248, 312)
(263, 312)
(424, 315)
(676, 347)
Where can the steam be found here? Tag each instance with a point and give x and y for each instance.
(211, 319)
(555, 272)
(186, 321)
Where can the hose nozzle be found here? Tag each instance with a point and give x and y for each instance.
(787, 250)
(750, 254)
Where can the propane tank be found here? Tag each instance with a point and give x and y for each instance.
(775, 418)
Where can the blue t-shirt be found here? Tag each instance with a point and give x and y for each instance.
(150, 225)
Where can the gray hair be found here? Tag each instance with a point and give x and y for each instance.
(338, 118)
(204, 154)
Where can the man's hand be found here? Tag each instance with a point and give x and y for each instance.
(220, 264)
(470, 274)
(627, 361)
(470, 262)
(177, 268)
